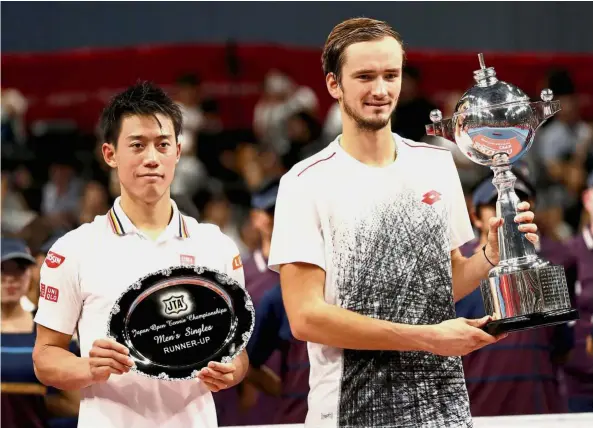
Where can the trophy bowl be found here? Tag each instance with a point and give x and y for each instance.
(494, 124)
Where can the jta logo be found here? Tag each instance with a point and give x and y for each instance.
(174, 305)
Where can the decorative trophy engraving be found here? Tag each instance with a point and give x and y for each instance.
(493, 125)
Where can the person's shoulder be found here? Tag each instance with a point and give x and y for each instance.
(70, 248)
(77, 237)
(425, 149)
(207, 232)
(312, 168)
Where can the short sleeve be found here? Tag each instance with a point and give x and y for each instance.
(60, 298)
(234, 264)
(460, 226)
(297, 235)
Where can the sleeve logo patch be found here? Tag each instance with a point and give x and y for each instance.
(188, 260)
(237, 263)
(52, 294)
(42, 290)
(54, 260)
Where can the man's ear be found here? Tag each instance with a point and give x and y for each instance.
(333, 86)
(178, 145)
(108, 151)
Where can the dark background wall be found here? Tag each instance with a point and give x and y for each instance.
(488, 26)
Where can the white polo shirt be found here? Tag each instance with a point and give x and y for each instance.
(83, 275)
(384, 238)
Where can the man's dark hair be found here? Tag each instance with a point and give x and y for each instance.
(352, 31)
(141, 99)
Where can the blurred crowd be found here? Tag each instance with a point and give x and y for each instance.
(54, 179)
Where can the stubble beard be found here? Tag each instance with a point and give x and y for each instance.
(365, 124)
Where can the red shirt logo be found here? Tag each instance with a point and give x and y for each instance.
(54, 260)
(187, 259)
(431, 197)
(42, 291)
(52, 294)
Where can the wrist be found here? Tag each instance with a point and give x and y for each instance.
(420, 337)
(491, 257)
(84, 374)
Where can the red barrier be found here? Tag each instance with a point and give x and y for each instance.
(76, 84)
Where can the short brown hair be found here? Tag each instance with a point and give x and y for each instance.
(352, 31)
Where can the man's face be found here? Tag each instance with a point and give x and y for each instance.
(16, 277)
(145, 156)
(370, 82)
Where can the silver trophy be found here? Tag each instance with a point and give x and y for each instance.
(494, 124)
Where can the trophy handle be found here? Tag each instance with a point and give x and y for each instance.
(546, 108)
(440, 127)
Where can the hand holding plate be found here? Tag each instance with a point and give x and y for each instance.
(108, 357)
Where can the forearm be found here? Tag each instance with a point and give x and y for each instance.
(57, 367)
(340, 328)
(468, 272)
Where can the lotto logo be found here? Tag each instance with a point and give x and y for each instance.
(52, 294)
(53, 260)
(431, 197)
(237, 263)
(42, 291)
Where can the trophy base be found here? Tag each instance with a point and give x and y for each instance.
(536, 320)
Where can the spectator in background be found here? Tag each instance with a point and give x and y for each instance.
(413, 109)
(272, 333)
(565, 150)
(304, 134)
(190, 175)
(281, 98)
(15, 211)
(187, 94)
(218, 211)
(62, 193)
(279, 364)
(14, 107)
(258, 280)
(94, 202)
(579, 369)
(518, 375)
(25, 401)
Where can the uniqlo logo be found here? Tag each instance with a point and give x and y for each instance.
(187, 259)
(431, 197)
(42, 291)
(53, 260)
(52, 294)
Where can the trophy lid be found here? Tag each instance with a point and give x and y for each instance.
(489, 92)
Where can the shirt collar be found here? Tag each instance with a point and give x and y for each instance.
(121, 224)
